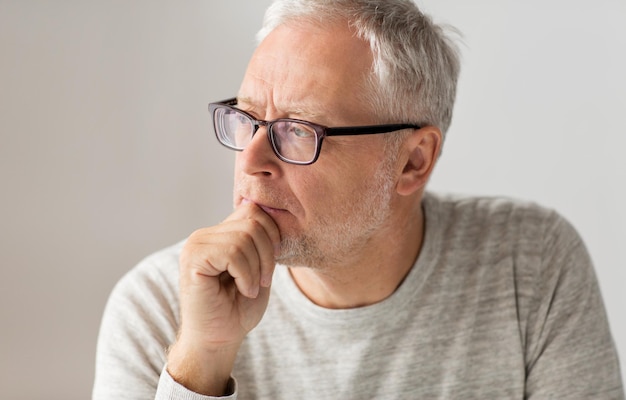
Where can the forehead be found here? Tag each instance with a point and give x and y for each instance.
(305, 68)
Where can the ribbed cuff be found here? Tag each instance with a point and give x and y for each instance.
(169, 389)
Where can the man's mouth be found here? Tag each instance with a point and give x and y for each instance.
(268, 209)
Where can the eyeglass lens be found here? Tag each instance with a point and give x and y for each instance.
(291, 140)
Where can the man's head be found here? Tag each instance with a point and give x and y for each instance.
(319, 62)
(415, 66)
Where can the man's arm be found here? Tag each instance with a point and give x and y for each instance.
(570, 352)
(139, 322)
(223, 289)
(225, 274)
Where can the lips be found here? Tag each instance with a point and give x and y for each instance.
(268, 209)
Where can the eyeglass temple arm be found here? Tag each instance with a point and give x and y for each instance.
(370, 129)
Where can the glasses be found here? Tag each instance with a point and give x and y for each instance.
(293, 141)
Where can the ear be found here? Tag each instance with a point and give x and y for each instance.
(421, 150)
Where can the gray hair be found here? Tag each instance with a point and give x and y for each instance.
(416, 66)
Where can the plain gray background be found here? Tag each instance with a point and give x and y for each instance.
(106, 153)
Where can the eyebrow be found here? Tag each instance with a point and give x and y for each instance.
(300, 111)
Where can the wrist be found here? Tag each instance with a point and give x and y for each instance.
(206, 372)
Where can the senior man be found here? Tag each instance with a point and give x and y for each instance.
(337, 276)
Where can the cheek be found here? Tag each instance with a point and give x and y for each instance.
(325, 195)
(314, 195)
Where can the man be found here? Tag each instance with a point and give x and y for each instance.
(382, 290)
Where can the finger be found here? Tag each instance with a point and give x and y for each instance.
(263, 262)
(210, 254)
(266, 252)
(267, 249)
(247, 232)
(251, 210)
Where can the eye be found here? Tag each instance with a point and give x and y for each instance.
(302, 131)
(242, 118)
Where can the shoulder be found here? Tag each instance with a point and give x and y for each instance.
(149, 292)
(539, 246)
(139, 322)
(495, 208)
(159, 269)
(498, 219)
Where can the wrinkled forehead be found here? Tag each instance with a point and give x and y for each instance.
(305, 66)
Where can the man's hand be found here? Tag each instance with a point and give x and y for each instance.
(225, 274)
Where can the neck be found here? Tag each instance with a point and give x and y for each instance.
(371, 274)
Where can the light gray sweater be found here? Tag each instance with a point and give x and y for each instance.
(502, 303)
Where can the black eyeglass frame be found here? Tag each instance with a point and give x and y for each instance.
(321, 131)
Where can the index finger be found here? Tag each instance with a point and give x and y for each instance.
(248, 209)
(267, 252)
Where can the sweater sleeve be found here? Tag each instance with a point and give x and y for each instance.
(139, 323)
(570, 354)
(169, 389)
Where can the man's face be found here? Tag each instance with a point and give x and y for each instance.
(332, 208)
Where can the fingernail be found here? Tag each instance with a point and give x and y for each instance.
(254, 292)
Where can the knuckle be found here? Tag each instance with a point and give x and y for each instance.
(253, 226)
(232, 250)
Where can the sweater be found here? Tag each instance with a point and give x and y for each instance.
(502, 303)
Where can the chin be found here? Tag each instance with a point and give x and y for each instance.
(296, 252)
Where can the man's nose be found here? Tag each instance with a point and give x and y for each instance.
(258, 157)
